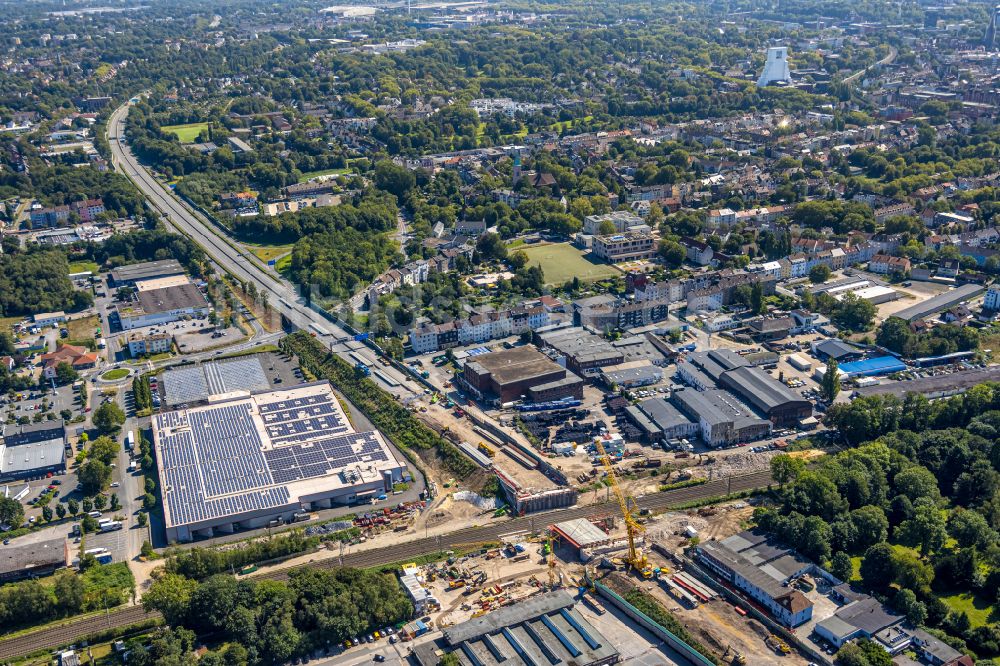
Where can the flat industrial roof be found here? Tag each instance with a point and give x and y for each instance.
(21, 459)
(22, 558)
(880, 365)
(249, 452)
(171, 298)
(146, 270)
(663, 414)
(162, 282)
(195, 383)
(940, 302)
(514, 365)
(939, 384)
(544, 629)
(581, 532)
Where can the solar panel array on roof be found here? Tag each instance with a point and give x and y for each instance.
(319, 457)
(197, 382)
(216, 461)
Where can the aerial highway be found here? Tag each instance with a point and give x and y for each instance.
(75, 630)
(282, 296)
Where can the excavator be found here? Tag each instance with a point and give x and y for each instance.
(636, 559)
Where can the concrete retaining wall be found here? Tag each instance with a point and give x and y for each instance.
(693, 656)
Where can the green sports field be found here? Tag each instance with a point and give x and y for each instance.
(562, 262)
(186, 133)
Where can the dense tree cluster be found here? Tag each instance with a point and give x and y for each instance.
(37, 281)
(895, 334)
(274, 621)
(69, 593)
(920, 506)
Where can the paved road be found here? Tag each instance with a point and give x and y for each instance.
(76, 630)
(282, 296)
(884, 61)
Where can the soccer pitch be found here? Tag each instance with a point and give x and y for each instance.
(561, 262)
(186, 133)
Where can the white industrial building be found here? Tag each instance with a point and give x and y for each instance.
(245, 460)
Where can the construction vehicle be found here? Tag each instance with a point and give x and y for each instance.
(636, 559)
(737, 657)
(487, 449)
(778, 645)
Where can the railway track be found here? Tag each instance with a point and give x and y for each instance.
(74, 631)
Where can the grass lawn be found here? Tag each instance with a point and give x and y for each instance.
(7, 323)
(567, 124)
(117, 373)
(268, 252)
(284, 264)
(186, 133)
(82, 329)
(328, 172)
(979, 609)
(83, 267)
(562, 262)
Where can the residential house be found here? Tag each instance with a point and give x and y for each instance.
(80, 358)
(885, 264)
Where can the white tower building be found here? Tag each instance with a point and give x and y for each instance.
(776, 67)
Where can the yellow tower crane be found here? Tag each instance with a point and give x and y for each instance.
(633, 527)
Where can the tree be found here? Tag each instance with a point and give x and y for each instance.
(65, 374)
(757, 304)
(830, 386)
(917, 482)
(171, 595)
(970, 529)
(100, 501)
(449, 659)
(490, 247)
(855, 313)
(785, 468)
(143, 519)
(73, 506)
(89, 524)
(863, 653)
(94, 475)
(925, 529)
(870, 526)
(61, 510)
(841, 566)
(47, 513)
(518, 259)
(820, 273)
(116, 503)
(673, 253)
(395, 179)
(105, 449)
(878, 567)
(11, 512)
(109, 417)
(69, 591)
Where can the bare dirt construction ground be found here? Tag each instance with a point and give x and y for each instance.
(716, 624)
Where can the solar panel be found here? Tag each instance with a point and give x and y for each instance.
(216, 463)
(197, 382)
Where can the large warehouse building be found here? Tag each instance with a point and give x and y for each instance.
(522, 372)
(725, 369)
(246, 459)
(32, 450)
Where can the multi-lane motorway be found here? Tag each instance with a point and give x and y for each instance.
(76, 630)
(231, 258)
